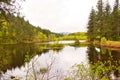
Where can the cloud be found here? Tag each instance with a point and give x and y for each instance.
(59, 15)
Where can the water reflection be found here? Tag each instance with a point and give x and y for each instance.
(104, 61)
(12, 56)
(61, 61)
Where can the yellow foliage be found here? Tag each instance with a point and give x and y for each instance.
(3, 23)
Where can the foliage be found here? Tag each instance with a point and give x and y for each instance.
(97, 71)
(16, 55)
(57, 46)
(9, 7)
(104, 22)
(14, 29)
(20, 31)
(103, 62)
(82, 72)
(101, 70)
(91, 28)
(74, 36)
(29, 57)
(68, 79)
(103, 40)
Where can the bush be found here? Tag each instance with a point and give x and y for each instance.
(103, 40)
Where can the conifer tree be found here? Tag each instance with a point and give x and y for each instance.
(100, 18)
(107, 28)
(91, 25)
(116, 21)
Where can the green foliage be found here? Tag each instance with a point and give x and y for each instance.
(74, 36)
(28, 57)
(98, 70)
(78, 33)
(57, 46)
(103, 40)
(82, 72)
(20, 31)
(104, 22)
(52, 37)
(68, 79)
(17, 54)
(92, 26)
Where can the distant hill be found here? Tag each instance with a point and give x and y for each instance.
(64, 33)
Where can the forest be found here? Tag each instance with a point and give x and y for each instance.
(104, 22)
(17, 30)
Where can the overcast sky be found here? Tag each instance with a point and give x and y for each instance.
(59, 15)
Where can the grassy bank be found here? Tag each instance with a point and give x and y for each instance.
(112, 44)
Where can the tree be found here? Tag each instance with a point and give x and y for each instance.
(91, 25)
(99, 18)
(107, 28)
(9, 7)
(116, 20)
(107, 22)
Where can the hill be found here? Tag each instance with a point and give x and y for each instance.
(14, 29)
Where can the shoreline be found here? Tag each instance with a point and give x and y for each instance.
(109, 44)
(112, 44)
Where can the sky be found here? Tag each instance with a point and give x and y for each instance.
(59, 15)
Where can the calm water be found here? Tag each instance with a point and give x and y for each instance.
(58, 62)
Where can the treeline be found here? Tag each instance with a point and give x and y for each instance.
(104, 22)
(74, 36)
(14, 29)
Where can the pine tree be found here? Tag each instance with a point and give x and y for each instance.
(116, 21)
(100, 18)
(107, 28)
(91, 25)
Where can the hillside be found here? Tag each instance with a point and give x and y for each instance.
(17, 30)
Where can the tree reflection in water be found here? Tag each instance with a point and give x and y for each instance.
(104, 63)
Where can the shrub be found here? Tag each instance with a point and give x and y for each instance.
(103, 40)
